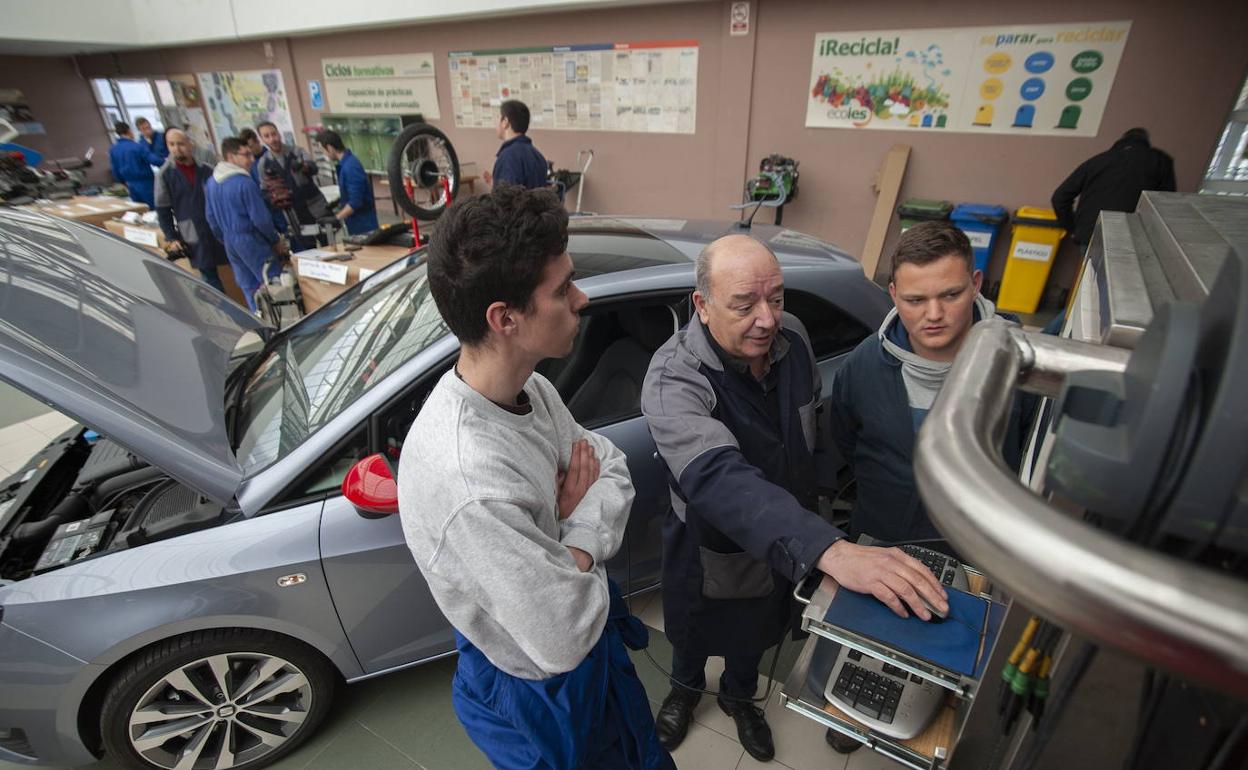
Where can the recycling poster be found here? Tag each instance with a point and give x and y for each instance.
(1050, 80)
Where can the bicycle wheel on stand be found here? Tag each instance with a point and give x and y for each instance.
(423, 154)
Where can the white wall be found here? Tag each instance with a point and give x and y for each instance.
(78, 25)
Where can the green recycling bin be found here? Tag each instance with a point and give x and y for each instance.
(915, 210)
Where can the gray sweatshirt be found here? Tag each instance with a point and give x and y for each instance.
(477, 501)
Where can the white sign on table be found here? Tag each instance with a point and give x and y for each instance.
(323, 271)
(141, 236)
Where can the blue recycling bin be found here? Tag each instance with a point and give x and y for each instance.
(981, 223)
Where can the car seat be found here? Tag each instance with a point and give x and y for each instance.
(614, 385)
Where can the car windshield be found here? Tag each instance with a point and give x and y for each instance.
(329, 360)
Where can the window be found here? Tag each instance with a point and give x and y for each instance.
(316, 371)
(1228, 169)
(832, 331)
(601, 380)
(133, 98)
(327, 476)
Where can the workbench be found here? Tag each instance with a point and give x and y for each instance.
(323, 276)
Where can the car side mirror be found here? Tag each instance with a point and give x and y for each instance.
(370, 486)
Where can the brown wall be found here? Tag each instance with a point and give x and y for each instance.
(1178, 77)
(63, 102)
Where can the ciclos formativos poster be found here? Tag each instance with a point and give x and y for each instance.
(1051, 79)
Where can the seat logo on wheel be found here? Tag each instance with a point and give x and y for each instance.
(226, 711)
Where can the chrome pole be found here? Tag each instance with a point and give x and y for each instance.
(1177, 615)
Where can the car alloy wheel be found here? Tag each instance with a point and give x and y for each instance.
(220, 711)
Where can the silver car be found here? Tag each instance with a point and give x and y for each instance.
(182, 582)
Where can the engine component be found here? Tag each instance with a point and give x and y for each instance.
(168, 510)
(73, 540)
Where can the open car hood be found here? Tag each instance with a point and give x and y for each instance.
(123, 341)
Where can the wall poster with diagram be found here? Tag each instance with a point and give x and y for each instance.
(191, 114)
(1047, 79)
(238, 100)
(647, 87)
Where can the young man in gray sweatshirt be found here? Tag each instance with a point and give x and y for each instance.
(511, 508)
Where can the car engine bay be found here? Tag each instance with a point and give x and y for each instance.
(82, 496)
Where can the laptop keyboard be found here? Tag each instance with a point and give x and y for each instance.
(945, 568)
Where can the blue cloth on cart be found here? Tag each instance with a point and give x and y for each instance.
(952, 644)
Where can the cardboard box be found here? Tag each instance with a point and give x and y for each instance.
(320, 280)
(149, 237)
(152, 239)
(89, 209)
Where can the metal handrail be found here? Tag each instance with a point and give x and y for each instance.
(1176, 615)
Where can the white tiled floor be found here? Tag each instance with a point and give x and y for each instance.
(712, 740)
(19, 442)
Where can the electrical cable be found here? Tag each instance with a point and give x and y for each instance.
(1079, 664)
(628, 600)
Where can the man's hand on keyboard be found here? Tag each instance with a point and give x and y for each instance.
(887, 574)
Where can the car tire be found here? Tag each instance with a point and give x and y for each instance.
(233, 697)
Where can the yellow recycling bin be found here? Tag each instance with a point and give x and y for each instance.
(1032, 249)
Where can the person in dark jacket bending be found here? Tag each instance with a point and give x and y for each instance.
(1111, 181)
(518, 161)
(358, 212)
(180, 208)
(730, 400)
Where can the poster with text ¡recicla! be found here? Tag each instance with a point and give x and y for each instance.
(1050, 79)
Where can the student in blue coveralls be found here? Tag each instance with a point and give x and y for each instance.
(355, 189)
(518, 161)
(131, 165)
(240, 219)
(152, 140)
(511, 509)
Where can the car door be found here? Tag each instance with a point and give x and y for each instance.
(384, 604)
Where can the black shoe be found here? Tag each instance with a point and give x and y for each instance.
(674, 716)
(841, 744)
(752, 728)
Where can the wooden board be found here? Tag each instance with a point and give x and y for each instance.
(888, 186)
(938, 735)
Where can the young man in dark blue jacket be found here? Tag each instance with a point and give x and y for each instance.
(518, 161)
(180, 208)
(887, 385)
(730, 400)
(884, 390)
(355, 190)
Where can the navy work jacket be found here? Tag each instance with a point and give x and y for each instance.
(356, 190)
(743, 527)
(131, 164)
(181, 210)
(519, 162)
